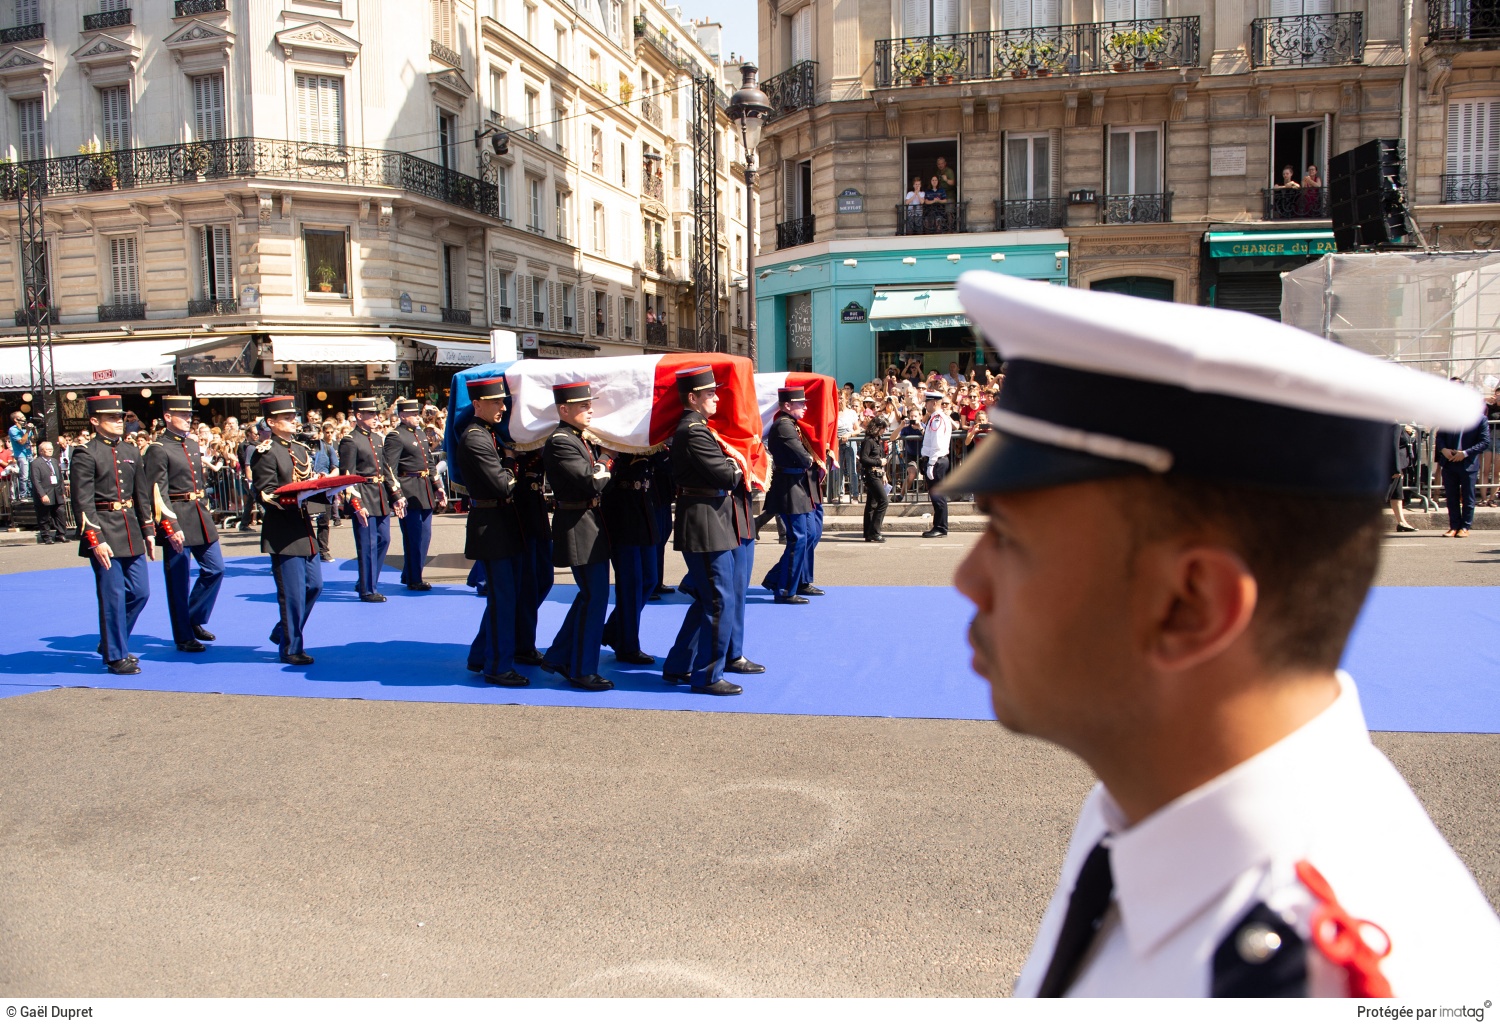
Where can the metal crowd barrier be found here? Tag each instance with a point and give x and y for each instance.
(1488, 487)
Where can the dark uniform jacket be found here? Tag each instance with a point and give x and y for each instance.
(174, 465)
(793, 468)
(705, 476)
(361, 452)
(578, 536)
(43, 472)
(629, 515)
(110, 495)
(411, 460)
(530, 501)
(284, 530)
(493, 530)
(663, 488)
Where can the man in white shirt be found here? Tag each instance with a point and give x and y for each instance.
(1136, 606)
(937, 434)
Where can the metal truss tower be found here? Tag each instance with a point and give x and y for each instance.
(705, 263)
(36, 301)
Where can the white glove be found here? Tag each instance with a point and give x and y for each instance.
(930, 465)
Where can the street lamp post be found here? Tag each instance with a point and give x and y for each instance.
(748, 109)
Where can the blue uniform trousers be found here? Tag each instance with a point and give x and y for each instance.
(576, 646)
(1460, 486)
(416, 533)
(123, 591)
(533, 582)
(477, 579)
(370, 545)
(191, 610)
(494, 646)
(663, 533)
(299, 579)
(815, 535)
(702, 644)
(635, 580)
(790, 571)
(744, 563)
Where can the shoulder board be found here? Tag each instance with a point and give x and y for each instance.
(148, 445)
(264, 447)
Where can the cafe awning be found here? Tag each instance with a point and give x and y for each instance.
(1271, 244)
(916, 309)
(232, 387)
(455, 354)
(333, 349)
(96, 364)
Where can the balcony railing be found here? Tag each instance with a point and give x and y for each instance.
(47, 315)
(1471, 188)
(655, 260)
(1297, 204)
(932, 218)
(651, 111)
(687, 338)
(446, 54)
(220, 307)
(106, 20)
(538, 318)
(795, 233)
(23, 33)
(1135, 208)
(567, 322)
(1307, 40)
(257, 158)
(504, 313)
(792, 90)
(662, 43)
(1098, 46)
(651, 185)
(455, 316)
(630, 331)
(122, 312)
(188, 8)
(1014, 215)
(656, 333)
(1459, 20)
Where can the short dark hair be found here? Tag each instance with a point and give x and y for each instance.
(1313, 558)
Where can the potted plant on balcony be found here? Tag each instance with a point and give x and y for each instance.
(639, 24)
(1134, 46)
(324, 274)
(100, 172)
(913, 64)
(627, 90)
(1044, 57)
(947, 61)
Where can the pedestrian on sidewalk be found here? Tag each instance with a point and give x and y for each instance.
(47, 497)
(1458, 459)
(872, 458)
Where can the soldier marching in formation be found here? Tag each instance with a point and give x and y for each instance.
(362, 453)
(535, 581)
(286, 528)
(631, 522)
(410, 460)
(795, 498)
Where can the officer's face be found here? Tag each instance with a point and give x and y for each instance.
(180, 423)
(283, 425)
(411, 420)
(489, 410)
(797, 410)
(112, 425)
(579, 414)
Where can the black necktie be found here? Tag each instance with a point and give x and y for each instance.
(1086, 908)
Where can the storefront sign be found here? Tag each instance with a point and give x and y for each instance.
(853, 314)
(1226, 161)
(1272, 248)
(528, 341)
(851, 201)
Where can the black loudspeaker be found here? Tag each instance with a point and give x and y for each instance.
(1366, 195)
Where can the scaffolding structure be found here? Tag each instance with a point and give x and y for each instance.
(705, 262)
(36, 300)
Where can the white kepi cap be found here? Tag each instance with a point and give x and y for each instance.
(1100, 384)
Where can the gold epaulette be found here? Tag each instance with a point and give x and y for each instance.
(264, 447)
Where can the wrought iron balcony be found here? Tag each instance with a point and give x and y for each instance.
(106, 20)
(1471, 188)
(538, 318)
(630, 331)
(1097, 46)
(23, 33)
(795, 233)
(504, 313)
(1299, 204)
(1308, 40)
(1013, 215)
(661, 41)
(249, 158)
(454, 316)
(655, 260)
(1455, 21)
(447, 55)
(122, 312)
(656, 333)
(651, 111)
(1135, 208)
(932, 218)
(196, 307)
(792, 90)
(188, 8)
(687, 338)
(651, 185)
(567, 322)
(45, 316)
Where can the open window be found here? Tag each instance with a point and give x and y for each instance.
(327, 257)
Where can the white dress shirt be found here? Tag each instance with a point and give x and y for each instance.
(936, 435)
(1185, 876)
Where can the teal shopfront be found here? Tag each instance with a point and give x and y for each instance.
(1242, 270)
(849, 309)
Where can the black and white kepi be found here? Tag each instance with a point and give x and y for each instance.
(1099, 385)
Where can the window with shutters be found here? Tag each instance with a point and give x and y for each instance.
(1028, 166)
(31, 138)
(555, 313)
(538, 219)
(215, 263)
(565, 301)
(320, 109)
(1026, 14)
(124, 271)
(451, 291)
(1294, 8)
(502, 188)
(497, 94)
(1139, 10)
(928, 17)
(28, 12)
(447, 139)
(523, 300)
(500, 293)
(442, 23)
(106, 6)
(114, 111)
(627, 317)
(208, 106)
(600, 243)
(562, 211)
(539, 302)
(1134, 161)
(327, 257)
(1473, 158)
(802, 34)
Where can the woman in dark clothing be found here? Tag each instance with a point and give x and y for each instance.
(872, 457)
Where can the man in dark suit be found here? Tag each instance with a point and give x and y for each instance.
(791, 496)
(578, 475)
(535, 580)
(410, 459)
(112, 505)
(363, 452)
(47, 496)
(707, 536)
(630, 520)
(492, 533)
(286, 530)
(184, 525)
(1458, 459)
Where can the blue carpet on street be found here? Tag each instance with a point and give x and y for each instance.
(859, 651)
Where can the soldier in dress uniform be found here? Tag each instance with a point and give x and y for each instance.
(363, 452)
(535, 580)
(662, 491)
(1135, 604)
(791, 496)
(630, 521)
(411, 460)
(735, 661)
(578, 473)
(492, 534)
(112, 505)
(707, 536)
(286, 528)
(184, 525)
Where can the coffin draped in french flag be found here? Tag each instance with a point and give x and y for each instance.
(820, 423)
(636, 405)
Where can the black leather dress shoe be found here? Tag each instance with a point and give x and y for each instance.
(676, 679)
(552, 668)
(665, 589)
(792, 600)
(129, 665)
(592, 683)
(934, 533)
(372, 597)
(421, 586)
(297, 659)
(810, 590)
(192, 647)
(475, 668)
(719, 687)
(508, 679)
(744, 666)
(877, 538)
(202, 634)
(530, 658)
(639, 659)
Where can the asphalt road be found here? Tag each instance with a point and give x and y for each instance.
(175, 844)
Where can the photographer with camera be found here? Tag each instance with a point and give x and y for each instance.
(22, 440)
